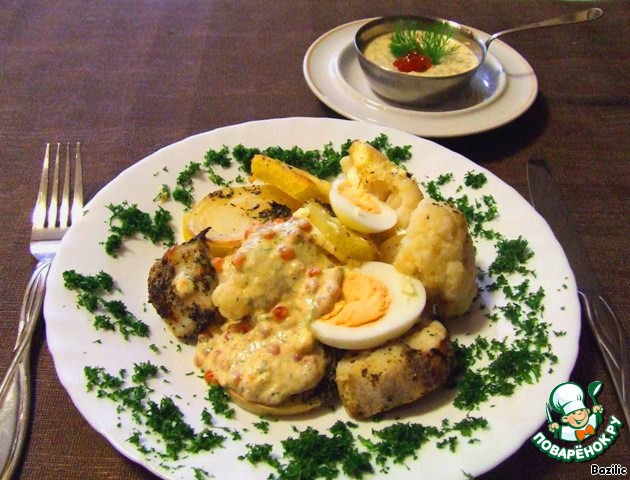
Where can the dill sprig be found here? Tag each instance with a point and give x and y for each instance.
(431, 41)
(404, 40)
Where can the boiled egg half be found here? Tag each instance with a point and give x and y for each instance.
(376, 304)
(360, 210)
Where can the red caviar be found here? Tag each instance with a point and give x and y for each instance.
(209, 377)
(238, 260)
(217, 263)
(279, 312)
(287, 252)
(413, 62)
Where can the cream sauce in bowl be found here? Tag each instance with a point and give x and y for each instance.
(461, 60)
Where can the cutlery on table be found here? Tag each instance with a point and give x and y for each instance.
(51, 219)
(605, 325)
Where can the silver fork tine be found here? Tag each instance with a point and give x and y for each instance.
(65, 196)
(77, 201)
(39, 212)
(54, 196)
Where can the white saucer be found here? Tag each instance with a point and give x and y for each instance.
(504, 87)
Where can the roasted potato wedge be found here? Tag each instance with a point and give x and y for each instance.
(297, 183)
(333, 236)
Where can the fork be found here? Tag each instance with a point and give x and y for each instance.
(50, 221)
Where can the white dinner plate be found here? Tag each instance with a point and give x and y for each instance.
(503, 88)
(74, 343)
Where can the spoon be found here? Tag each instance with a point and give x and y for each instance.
(577, 17)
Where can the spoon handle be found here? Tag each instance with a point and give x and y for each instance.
(577, 17)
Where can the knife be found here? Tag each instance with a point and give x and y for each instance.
(605, 325)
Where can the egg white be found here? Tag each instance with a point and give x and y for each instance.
(357, 218)
(408, 298)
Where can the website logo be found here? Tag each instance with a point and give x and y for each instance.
(570, 420)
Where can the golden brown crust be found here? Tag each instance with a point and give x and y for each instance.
(401, 371)
(180, 286)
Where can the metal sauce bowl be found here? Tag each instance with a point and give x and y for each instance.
(409, 89)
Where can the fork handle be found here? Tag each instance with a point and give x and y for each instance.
(14, 420)
(31, 308)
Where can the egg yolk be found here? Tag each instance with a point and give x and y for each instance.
(364, 299)
(360, 199)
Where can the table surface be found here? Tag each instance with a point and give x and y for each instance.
(127, 78)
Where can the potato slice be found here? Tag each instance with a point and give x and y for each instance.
(229, 212)
(295, 405)
(333, 236)
(295, 182)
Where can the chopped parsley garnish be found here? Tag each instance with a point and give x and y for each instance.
(469, 425)
(396, 153)
(261, 453)
(512, 256)
(88, 283)
(182, 191)
(399, 441)
(263, 426)
(201, 474)
(312, 454)
(143, 372)
(218, 157)
(450, 442)
(108, 314)
(162, 418)
(220, 401)
(475, 180)
(128, 220)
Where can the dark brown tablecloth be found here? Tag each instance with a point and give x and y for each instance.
(129, 77)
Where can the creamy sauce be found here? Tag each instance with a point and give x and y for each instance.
(461, 60)
(270, 289)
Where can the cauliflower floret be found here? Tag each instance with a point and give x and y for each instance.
(437, 249)
(368, 169)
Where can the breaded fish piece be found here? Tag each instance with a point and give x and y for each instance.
(401, 371)
(180, 288)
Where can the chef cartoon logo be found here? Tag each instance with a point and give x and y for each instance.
(571, 420)
(577, 422)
